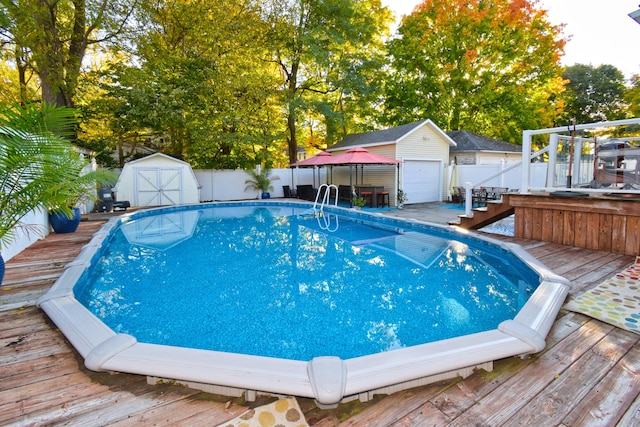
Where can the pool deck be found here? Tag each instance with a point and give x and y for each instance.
(588, 375)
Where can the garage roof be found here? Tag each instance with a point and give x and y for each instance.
(469, 141)
(386, 136)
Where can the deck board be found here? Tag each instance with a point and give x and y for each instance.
(588, 375)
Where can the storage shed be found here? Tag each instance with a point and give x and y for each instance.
(157, 180)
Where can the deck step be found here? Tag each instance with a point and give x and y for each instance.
(495, 210)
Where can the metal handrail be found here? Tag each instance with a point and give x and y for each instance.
(325, 197)
(468, 187)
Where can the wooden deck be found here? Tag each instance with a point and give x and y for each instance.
(589, 374)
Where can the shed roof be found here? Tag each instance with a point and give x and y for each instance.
(157, 156)
(386, 136)
(469, 141)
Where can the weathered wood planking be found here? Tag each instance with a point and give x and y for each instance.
(599, 223)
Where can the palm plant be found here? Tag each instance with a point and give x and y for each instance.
(260, 180)
(39, 168)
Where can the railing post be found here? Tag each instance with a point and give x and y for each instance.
(526, 161)
(468, 199)
(577, 155)
(553, 155)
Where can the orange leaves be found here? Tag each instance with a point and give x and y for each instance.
(470, 55)
(490, 60)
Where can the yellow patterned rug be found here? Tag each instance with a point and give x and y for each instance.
(281, 413)
(615, 301)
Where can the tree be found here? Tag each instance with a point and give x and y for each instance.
(326, 51)
(489, 66)
(199, 89)
(632, 96)
(593, 94)
(52, 36)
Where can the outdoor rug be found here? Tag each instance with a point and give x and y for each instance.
(281, 413)
(453, 206)
(615, 301)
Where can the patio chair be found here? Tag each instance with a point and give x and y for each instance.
(288, 192)
(383, 199)
(344, 193)
(459, 195)
(307, 192)
(479, 197)
(368, 195)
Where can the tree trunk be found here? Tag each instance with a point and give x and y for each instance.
(59, 71)
(292, 140)
(291, 117)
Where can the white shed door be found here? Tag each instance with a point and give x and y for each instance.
(421, 180)
(158, 186)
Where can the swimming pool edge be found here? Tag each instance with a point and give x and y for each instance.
(104, 350)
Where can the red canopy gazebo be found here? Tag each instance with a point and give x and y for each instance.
(352, 157)
(319, 159)
(361, 156)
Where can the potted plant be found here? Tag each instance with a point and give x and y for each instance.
(39, 168)
(358, 202)
(401, 199)
(81, 187)
(261, 180)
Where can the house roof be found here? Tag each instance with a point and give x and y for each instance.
(386, 136)
(469, 141)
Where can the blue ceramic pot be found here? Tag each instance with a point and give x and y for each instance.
(266, 195)
(63, 224)
(1, 268)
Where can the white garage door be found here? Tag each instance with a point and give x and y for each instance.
(421, 180)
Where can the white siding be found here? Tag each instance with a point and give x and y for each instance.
(425, 144)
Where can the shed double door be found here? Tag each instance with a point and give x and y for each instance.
(158, 186)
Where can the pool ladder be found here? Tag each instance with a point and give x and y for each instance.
(326, 197)
(317, 211)
(325, 220)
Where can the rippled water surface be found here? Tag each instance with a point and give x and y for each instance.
(269, 281)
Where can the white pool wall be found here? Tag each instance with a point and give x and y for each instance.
(329, 380)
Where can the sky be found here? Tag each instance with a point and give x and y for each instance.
(601, 30)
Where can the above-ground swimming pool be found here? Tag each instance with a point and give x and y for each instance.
(272, 297)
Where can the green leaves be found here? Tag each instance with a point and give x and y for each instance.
(38, 167)
(593, 94)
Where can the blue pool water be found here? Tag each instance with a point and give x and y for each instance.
(265, 280)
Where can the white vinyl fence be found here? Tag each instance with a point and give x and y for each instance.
(510, 179)
(227, 185)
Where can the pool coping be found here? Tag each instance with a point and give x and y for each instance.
(327, 379)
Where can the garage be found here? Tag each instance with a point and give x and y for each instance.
(422, 180)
